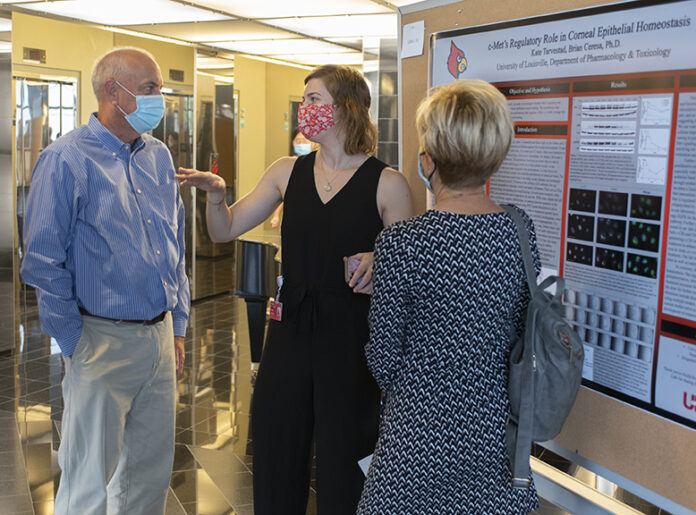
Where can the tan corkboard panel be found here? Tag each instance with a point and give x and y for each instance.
(414, 70)
(646, 449)
(651, 451)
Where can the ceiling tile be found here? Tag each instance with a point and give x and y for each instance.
(284, 46)
(127, 12)
(208, 32)
(284, 8)
(319, 59)
(341, 26)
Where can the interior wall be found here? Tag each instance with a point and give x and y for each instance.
(283, 82)
(250, 81)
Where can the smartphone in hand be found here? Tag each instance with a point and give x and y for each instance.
(351, 265)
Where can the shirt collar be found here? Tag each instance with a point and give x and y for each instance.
(108, 139)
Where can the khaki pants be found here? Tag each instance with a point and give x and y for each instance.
(117, 445)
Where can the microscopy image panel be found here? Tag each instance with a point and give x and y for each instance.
(646, 206)
(579, 253)
(641, 265)
(611, 232)
(610, 259)
(581, 227)
(612, 203)
(582, 200)
(644, 236)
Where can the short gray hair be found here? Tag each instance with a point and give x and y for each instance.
(113, 65)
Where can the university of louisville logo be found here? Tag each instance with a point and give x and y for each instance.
(690, 403)
(456, 62)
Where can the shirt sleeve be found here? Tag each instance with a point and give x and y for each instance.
(389, 308)
(181, 312)
(49, 221)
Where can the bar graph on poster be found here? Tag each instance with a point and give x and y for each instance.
(604, 161)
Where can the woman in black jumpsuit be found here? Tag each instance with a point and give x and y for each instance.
(313, 384)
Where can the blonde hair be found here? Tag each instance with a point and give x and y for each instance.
(351, 96)
(466, 128)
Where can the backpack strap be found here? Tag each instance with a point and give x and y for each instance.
(525, 423)
(525, 245)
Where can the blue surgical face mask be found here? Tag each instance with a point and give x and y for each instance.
(148, 113)
(421, 173)
(302, 149)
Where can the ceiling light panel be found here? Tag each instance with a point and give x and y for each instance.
(283, 8)
(377, 25)
(347, 58)
(284, 46)
(128, 12)
(208, 32)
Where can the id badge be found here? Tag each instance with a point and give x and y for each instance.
(276, 311)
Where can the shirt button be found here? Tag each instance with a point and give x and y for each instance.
(139, 190)
(113, 154)
(149, 221)
(158, 252)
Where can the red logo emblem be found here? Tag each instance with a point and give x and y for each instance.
(456, 62)
(690, 403)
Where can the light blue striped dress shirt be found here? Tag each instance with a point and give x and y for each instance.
(104, 229)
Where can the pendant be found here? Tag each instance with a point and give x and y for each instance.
(327, 187)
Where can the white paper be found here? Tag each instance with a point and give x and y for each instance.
(413, 35)
(365, 464)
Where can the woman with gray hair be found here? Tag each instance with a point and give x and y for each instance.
(449, 290)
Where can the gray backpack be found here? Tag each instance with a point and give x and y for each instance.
(545, 367)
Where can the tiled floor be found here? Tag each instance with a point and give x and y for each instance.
(212, 467)
(212, 471)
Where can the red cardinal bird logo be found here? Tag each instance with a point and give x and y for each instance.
(456, 62)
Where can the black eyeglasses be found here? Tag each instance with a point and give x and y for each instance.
(421, 154)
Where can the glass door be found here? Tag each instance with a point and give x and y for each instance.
(176, 131)
(44, 110)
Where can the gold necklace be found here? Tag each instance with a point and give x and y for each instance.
(327, 187)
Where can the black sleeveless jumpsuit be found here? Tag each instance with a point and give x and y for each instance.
(313, 380)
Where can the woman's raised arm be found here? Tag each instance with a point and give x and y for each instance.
(225, 223)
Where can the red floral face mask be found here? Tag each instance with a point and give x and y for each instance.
(313, 119)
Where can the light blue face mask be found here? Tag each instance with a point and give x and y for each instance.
(148, 113)
(421, 173)
(302, 149)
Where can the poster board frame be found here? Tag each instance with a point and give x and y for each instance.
(644, 453)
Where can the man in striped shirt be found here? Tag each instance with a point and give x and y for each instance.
(104, 248)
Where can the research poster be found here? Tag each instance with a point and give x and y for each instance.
(604, 161)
